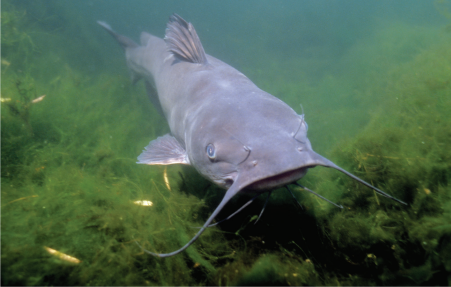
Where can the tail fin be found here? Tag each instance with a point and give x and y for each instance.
(125, 42)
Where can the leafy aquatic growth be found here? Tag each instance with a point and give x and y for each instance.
(404, 149)
(72, 184)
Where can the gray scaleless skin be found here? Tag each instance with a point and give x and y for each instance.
(234, 134)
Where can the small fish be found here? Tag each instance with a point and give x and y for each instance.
(62, 256)
(165, 177)
(37, 100)
(5, 62)
(143, 202)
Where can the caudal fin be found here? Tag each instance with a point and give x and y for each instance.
(125, 42)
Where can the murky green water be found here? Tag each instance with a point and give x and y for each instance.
(374, 79)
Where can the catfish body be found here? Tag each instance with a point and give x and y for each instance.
(210, 102)
(221, 123)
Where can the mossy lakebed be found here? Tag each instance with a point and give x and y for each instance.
(69, 182)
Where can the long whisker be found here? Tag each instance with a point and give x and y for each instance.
(231, 215)
(367, 184)
(294, 197)
(300, 125)
(320, 160)
(264, 206)
(320, 196)
(234, 189)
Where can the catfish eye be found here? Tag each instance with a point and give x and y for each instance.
(211, 153)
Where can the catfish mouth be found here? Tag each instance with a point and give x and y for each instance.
(278, 180)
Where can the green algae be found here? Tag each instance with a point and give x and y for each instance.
(69, 181)
(402, 150)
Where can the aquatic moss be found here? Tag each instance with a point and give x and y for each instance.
(403, 152)
(69, 179)
(71, 187)
(270, 269)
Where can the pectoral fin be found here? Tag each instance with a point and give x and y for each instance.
(164, 150)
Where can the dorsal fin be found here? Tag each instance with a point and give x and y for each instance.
(183, 42)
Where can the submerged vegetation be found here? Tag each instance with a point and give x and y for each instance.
(69, 180)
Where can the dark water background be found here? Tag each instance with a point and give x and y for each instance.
(374, 80)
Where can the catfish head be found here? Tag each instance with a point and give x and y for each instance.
(253, 148)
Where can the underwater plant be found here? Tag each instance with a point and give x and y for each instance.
(73, 199)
